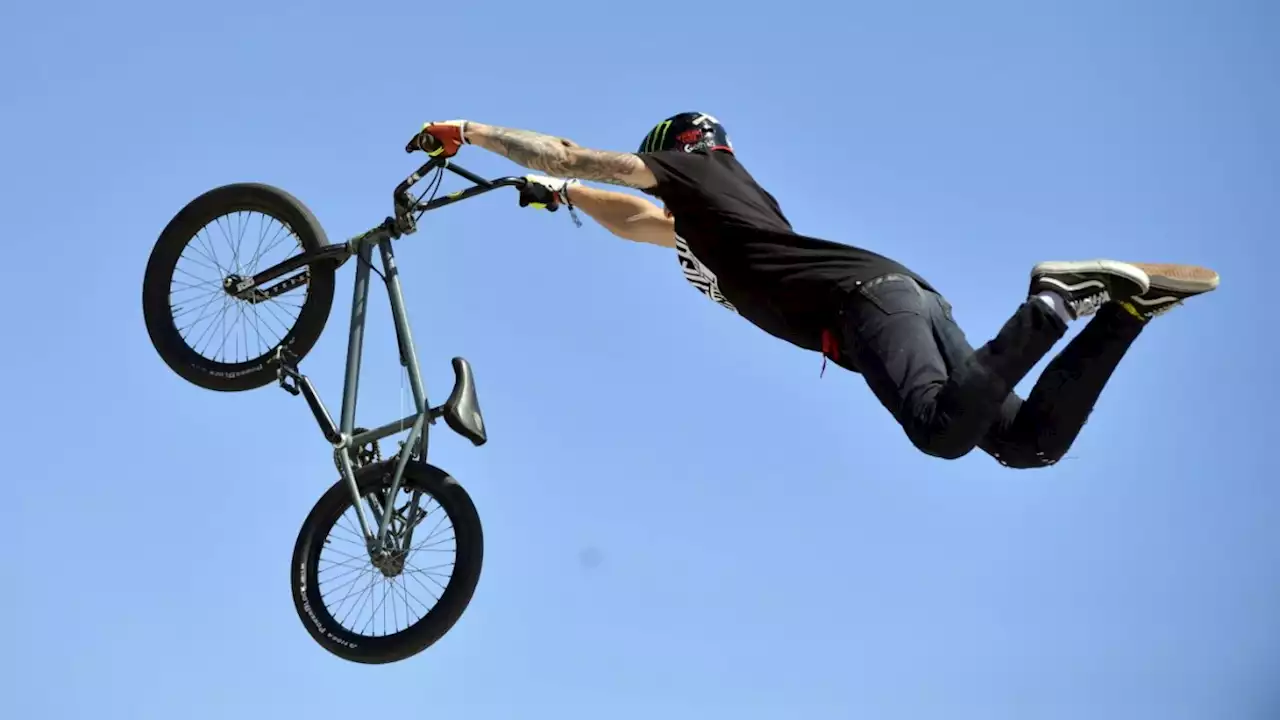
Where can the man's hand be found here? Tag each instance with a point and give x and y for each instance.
(556, 187)
(439, 139)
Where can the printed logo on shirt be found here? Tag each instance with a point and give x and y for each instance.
(699, 275)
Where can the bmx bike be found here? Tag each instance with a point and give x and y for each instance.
(339, 541)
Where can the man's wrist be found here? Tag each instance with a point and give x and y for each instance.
(472, 131)
(564, 191)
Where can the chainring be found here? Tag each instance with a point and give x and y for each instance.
(368, 454)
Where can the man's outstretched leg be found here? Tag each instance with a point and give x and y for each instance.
(898, 335)
(1039, 431)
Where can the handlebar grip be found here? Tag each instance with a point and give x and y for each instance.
(424, 141)
(428, 142)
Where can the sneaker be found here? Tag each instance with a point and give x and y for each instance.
(1170, 286)
(1087, 285)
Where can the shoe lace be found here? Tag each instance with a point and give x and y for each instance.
(1089, 304)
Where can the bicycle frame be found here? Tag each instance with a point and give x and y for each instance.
(342, 435)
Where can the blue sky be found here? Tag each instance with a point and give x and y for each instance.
(762, 543)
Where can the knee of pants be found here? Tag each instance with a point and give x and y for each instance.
(941, 445)
(1026, 458)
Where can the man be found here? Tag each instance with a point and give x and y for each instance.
(863, 311)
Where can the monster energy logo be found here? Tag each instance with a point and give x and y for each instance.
(656, 137)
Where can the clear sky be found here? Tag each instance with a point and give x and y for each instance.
(682, 519)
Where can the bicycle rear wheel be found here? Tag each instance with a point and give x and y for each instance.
(384, 607)
(205, 334)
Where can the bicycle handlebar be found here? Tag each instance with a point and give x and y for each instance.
(406, 204)
(404, 222)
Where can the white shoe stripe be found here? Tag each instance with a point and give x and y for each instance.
(1149, 302)
(1071, 289)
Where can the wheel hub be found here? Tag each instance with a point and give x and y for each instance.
(229, 284)
(389, 562)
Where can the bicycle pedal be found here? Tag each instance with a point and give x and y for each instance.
(288, 384)
(287, 374)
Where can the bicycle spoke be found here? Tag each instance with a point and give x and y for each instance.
(234, 331)
(364, 599)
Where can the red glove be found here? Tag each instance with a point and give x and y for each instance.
(439, 139)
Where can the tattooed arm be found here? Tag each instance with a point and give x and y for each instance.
(560, 157)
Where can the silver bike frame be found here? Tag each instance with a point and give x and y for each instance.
(422, 416)
(343, 435)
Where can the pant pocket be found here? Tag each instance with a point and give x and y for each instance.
(892, 294)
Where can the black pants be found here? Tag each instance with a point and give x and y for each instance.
(950, 398)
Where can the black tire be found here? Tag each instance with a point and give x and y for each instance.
(378, 649)
(158, 283)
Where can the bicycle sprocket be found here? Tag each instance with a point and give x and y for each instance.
(367, 454)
